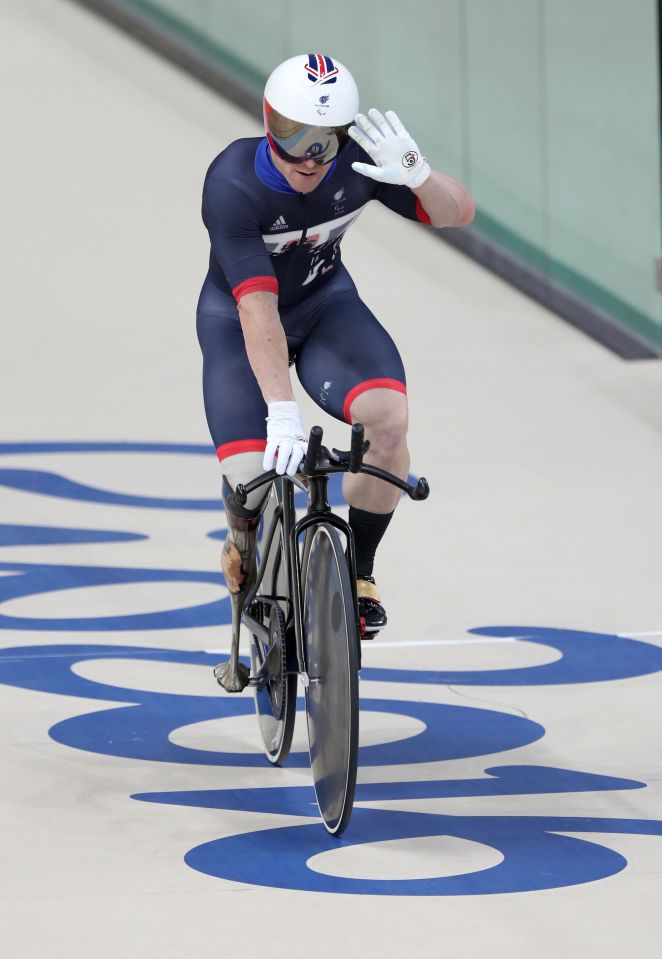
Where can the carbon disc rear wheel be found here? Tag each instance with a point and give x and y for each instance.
(276, 697)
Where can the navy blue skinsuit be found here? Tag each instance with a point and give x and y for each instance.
(266, 236)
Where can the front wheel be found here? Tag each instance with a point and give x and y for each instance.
(332, 697)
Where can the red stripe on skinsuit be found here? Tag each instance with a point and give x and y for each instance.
(241, 446)
(256, 284)
(421, 215)
(383, 383)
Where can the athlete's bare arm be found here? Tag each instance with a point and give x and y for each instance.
(266, 345)
(445, 200)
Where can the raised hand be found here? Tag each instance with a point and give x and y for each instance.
(396, 155)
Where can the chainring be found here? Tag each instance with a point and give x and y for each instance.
(276, 657)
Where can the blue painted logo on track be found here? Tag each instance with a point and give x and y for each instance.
(536, 854)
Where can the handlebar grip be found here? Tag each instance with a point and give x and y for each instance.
(314, 446)
(356, 451)
(421, 490)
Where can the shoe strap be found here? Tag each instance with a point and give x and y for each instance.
(367, 590)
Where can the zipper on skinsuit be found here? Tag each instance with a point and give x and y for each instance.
(302, 197)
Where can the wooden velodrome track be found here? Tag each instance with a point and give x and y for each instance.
(510, 793)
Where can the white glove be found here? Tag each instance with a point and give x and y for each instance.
(285, 436)
(384, 138)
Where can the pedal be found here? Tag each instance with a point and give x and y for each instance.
(269, 669)
(365, 633)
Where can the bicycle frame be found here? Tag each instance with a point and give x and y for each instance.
(316, 468)
(285, 515)
(309, 620)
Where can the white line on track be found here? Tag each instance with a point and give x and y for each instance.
(443, 642)
(370, 644)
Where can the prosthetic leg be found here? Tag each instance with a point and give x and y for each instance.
(240, 569)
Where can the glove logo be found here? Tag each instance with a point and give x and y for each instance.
(410, 159)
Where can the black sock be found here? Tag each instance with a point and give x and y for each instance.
(368, 529)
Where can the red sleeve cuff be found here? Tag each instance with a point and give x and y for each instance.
(256, 284)
(421, 215)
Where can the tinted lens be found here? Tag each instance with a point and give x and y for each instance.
(296, 142)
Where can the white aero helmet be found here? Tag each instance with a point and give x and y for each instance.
(310, 102)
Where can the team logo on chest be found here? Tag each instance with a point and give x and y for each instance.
(316, 236)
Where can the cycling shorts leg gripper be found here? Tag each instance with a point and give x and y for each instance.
(235, 410)
(240, 448)
(346, 353)
(380, 383)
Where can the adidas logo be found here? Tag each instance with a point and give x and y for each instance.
(279, 224)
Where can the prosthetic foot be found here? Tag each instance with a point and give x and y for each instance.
(240, 569)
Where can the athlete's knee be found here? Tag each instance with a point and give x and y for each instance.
(384, 414)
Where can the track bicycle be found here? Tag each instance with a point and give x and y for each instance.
(302, 616)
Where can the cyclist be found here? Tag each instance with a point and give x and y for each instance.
(276, 210)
